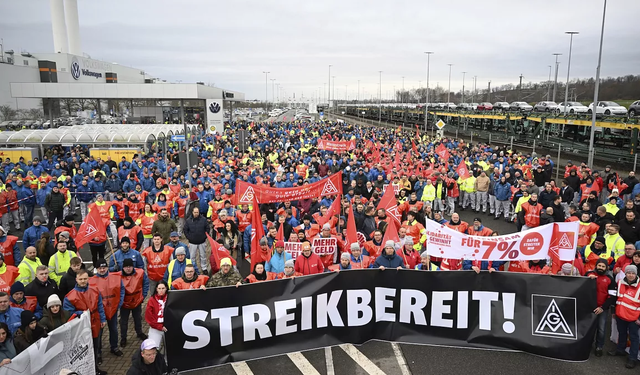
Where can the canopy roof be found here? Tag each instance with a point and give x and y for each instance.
(94, 134)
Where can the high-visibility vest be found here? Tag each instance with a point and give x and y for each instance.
(429, 193)
(132, 288)
(628, 303)
(6, 248)
(132, 233)
(8, 275)
(591, 258)
(27, 270)
(157, 263)
(170, 269)
(87, 300)
(615, 243)
(469, 185)
(59, 263)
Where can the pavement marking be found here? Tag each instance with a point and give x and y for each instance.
(402, 362)
(328, 357)
(362, 360)
(241, 368)
(302, 363)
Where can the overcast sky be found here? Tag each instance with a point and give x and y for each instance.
(230, 43)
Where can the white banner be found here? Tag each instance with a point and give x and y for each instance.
(531, 244)
(215, 115)
(69, 347)
(324, 246)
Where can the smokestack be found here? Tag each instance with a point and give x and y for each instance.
(59, 27)
(73, 27)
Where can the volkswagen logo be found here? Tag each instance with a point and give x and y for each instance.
(214, 107)
(75, 69)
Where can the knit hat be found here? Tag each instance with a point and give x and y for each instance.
(355, 246)
(125, 239)
(566, 269)
(67, 218)
(389, 244)
(37, 218)
(408, 240)
(100, 263)
(53, 300)
(631, 269)
(601, 239)
(127, 263)
(424, 254)
(26, 317)
(225, 262)
(326, 226)
(263, 241)
(289, 263)
(180, 251)
(345, 256)
(17, 287)
(280, 243)
(64, 234)
(128, 218)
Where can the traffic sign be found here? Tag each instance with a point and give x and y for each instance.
(440, 124)
(177, 138)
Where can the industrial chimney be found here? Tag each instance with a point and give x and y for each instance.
(73, 26)
(60, 44)
(66, 27)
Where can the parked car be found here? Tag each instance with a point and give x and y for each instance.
(485, 106)
(465, 107)
(634, 108)
(571, 108)
(503, 106)
(545, 106)
(608, 108)
(521, 107)
(474, 106)
(450, 106)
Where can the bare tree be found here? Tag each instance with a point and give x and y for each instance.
(7, 112)
(69, 105)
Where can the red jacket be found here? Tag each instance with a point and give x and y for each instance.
(410, 260)
(154, 315)
(604, 284)
(309, 266)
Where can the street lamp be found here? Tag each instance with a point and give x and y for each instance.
(266, 87)
(549, 84)
(463, 75)
(380, 99)
(555, 83)
(273, 91)
(449, 90)
(329, 94)
(595, 93)
(473, 96)
(566, 89)
(426, 106)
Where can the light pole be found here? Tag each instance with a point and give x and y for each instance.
(555, 82)
(463, 75)
(333, 93)
(595, 93)
(266, 87)
(489, 93)
(329, 93)
(473, 96)
(520, 88)
(549, 84)
(566, 89)
(449, 90)
(380, 99)
(273, 90)
(426, 105)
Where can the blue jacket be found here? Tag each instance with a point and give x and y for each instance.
(178, 269)
(67, 305)
(83, 193)
(113, 185)
(120, 256)
(32, 234)
(96, 187)
(129, 186)
(26, 194)
(37, 313)
(502, 191)
(121, 289)
(17, 256)
(175, 246)
(147, 183)
(467, 264)
(41, 195)
(276, 264)
(393, 261)
(12, 318)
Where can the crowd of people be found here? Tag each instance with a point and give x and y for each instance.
(167, 226)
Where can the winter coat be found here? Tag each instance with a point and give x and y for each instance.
(502, 191)
(7, 349)
(139, 368)
(52, 321)
(388, 261)
(276, 263)
(32, 235)
(224, 279)
(196, 229)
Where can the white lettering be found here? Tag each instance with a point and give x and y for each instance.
(190, 329)
(358, 302)
(282, 317)
(225, 315)
(438, 309)
(463, 310)
(382, 304)
(329, 308)
(484, 300)
(412, 302)
(250, 324)
(307, 307)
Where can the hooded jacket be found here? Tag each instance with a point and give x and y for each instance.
(276, 263)
(138, 367)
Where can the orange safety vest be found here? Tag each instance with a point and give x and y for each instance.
(531, 214)
(6, 248)
(7, 278)
(109, 287)
(586, 190)
(146, 223)
(28, 303)
(587, 230)
(134, 209)
(87, 300)
(119, 207)
(252, 278)
(132, 288)
(628, 303)
(244, 220)
(157, 263)
(182, 206)
(180, 284)
(169, 206)
(132, 233)
(365, 263)
(282, 275)
(104, 211)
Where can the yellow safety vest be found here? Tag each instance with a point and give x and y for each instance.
(27, 270)
(612, 208)
(170, 269)
(59, 263)
(615, 243)
(469, 184)
(429, 193)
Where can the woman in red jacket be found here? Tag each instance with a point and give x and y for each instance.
(154, 315)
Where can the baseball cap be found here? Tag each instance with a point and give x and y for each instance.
(148, 344)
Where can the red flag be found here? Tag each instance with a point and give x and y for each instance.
(219, 252)
(462, 170)
(91, 227)
(391, 234)
(280, 234)
(443, 153)
(413, 146)
(257, 232)
(389, 203)
(352, 232)
(334, 209)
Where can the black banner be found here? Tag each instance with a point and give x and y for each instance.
(550, 316)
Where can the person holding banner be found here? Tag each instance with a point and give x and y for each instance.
(259, 274)
(345, 263)
(227, 275)
(529, 216)
(30, 332)
(189, 279)
(309, 263)
(7, 349)
(478, 229)
(606, 296)
(627, 315)
(596, 251)
(485, 265)
(389, 258)
(359, 261)
(278, 259)
(409, 255)
(425, 263)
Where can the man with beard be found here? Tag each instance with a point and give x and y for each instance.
(190, 279)
(605, 292)
(289, 271)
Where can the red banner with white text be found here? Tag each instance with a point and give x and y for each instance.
(266, 194)
(336, 146)
(531, 244)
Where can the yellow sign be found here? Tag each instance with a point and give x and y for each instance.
(16, 153)
(115, 153)
(440, 124)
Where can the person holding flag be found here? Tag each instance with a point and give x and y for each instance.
(259, 249)
(218, 252)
